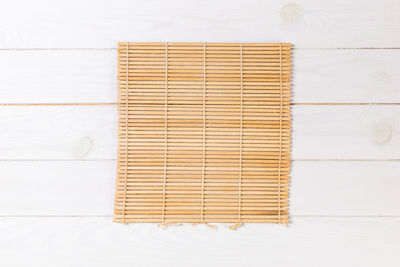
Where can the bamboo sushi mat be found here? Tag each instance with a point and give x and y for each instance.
(204, 133)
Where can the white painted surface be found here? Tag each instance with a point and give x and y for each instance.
(89, 76)
(82, 188)
(312, 242)
(57, 161)
(90, 132)
(306, 23)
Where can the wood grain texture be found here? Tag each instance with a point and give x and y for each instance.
(86, 188)
(90, 132)
(346, 76)
(97, 241)
(346, 132)
(89, 76)
(58, 132)
(307, 23)
(57, 188)
(58, 76)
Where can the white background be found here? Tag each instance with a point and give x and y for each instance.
(58, 123)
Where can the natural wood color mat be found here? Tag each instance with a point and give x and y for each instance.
(204, 132)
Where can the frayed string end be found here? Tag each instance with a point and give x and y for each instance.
(165, 225)
(285, 224)
(212, 226)
(235, 226)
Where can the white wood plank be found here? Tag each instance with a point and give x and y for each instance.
(89, 76)
(73, 188)
(307, 23)
(99, 242)
(58, 76)
(346, 132)
(58, 132)
(345, 188)
(346, 76)
(57, 188)
(90, 132)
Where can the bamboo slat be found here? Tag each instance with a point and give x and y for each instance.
(204, 133)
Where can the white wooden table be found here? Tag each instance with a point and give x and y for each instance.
(58, 123)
